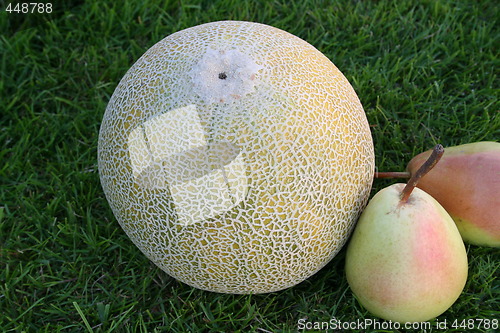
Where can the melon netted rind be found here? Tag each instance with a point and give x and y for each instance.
(236, 156)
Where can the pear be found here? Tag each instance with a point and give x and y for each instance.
(406, 261)
(466, 182)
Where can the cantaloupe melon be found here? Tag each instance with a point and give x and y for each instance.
(236, 156)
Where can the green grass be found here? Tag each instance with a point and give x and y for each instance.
(426, 73)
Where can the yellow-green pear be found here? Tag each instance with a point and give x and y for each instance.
(406, 261)
(466, 182)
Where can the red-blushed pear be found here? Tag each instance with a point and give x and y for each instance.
(466, 182)
(406, 261)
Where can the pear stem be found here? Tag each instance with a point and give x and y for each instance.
(392, 174)
(436, 154)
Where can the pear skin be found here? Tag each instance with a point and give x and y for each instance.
(466, 182)
(406, 261)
